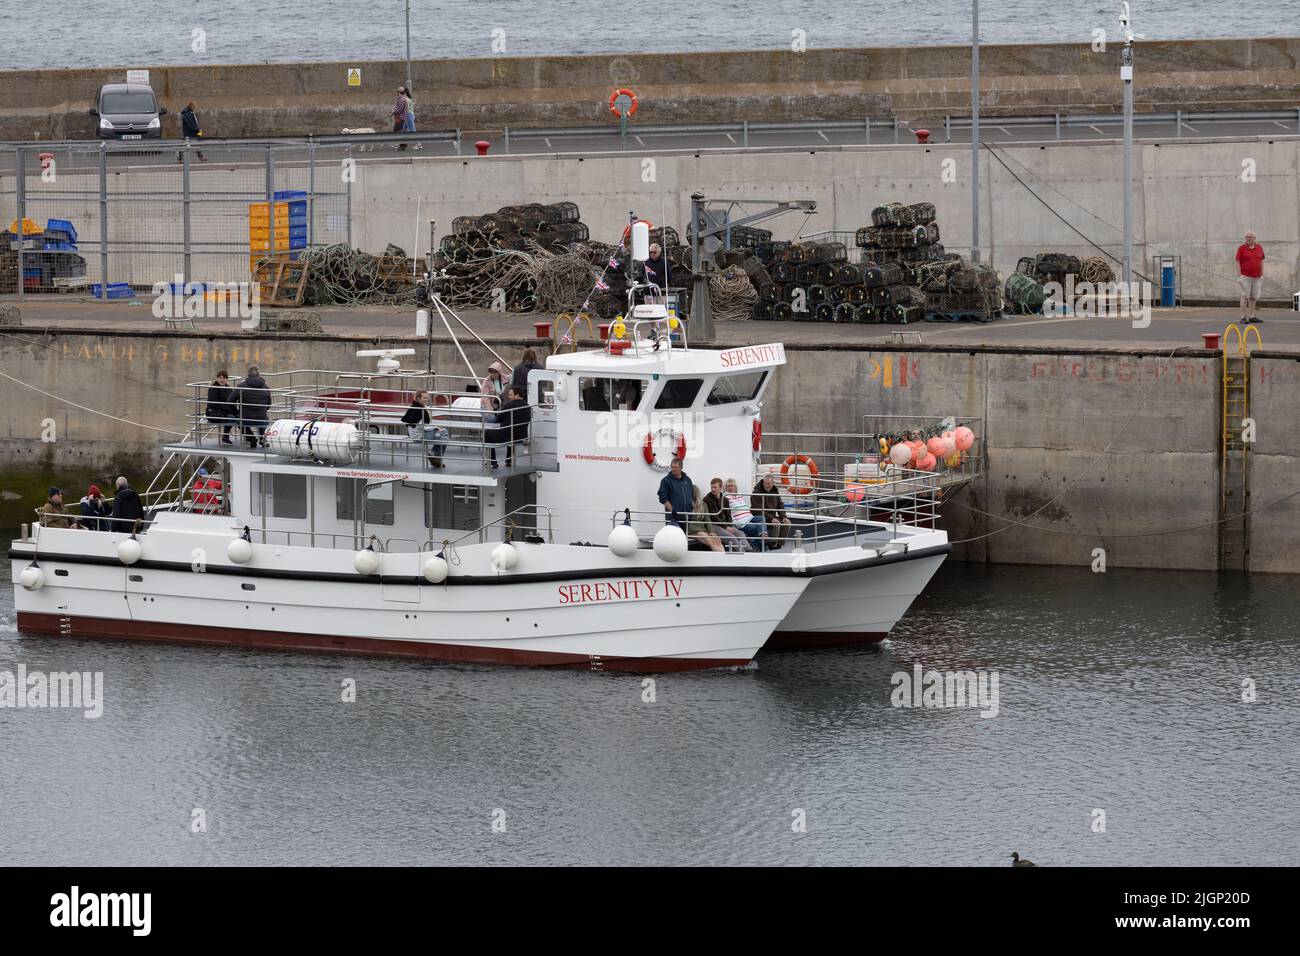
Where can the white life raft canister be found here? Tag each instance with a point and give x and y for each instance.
(322, 441)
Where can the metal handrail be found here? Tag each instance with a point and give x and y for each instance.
(481, 530)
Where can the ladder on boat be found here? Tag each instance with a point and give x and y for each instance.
(1236, 436)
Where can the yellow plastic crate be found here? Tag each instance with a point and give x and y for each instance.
(31, 227)
(265, 245)
(261, 232)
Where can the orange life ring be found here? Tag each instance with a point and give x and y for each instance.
(613, 99)
(648, 449)
(757, 434)
(785, 473)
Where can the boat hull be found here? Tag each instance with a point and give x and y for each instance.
(859, 606)
(660, 617)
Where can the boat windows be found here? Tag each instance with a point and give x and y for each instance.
(546, 392)
(282, 496)
(679, 393)
(742, 387)
(379, 501)
(609, 394)
(455, 507)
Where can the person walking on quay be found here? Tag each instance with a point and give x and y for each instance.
(254, 400)
(766, 503)
(223, 406)
(52, 513)
(398, 113)
(127, 509)
(190, 129)
(95, 511)
(409, 126)
(1250, 263)
(677, 494)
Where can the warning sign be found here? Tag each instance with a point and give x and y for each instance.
(138, 76)
(354, 76)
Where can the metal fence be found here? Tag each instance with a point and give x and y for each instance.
(113, 219)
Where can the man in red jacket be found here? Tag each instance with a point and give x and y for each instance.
(1250, 261)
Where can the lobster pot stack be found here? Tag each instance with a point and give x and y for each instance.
(499, 243)
(816, 282)
(1025, 288)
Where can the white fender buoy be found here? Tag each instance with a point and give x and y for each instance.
(32, 578)
(670, 542)
(504, 557)
(239, 551)
(623, 540)
(129, 551)
(435, 569)
(366, 562)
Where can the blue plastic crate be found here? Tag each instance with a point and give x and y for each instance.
(62, 225)
(52, 246)
(116, 290)
(290, 194)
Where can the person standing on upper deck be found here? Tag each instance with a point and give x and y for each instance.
(1250, 263)
(493, 386)
(254, 400)
(677, 494)
(656, 268)
(127, 509)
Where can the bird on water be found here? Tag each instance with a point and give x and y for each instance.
(1016, 861)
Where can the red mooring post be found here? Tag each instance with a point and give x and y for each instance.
(482, 147)
(923, 136)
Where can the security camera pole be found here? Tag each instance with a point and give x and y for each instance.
(975, 132)
(1126, 76)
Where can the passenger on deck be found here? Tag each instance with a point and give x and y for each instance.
(698, 525)
(127, 509)
(512, 425)
(656, 268)
(749, 523)
(519, 377)
(676, 494)
(719, 512)
(494, 386)
(419, 427)
(52, 513)
(254, 400)
(767, 504)
(95, 511)
(223, 406)
(207, 493)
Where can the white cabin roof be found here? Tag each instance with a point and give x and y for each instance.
(671, 362)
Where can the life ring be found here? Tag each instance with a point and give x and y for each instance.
(648, 449)
(613, 101)
(785, 473)
(757, 434)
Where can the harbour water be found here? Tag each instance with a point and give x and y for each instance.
(158, 32)
(1119, 692)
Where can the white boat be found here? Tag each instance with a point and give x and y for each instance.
(341, 536)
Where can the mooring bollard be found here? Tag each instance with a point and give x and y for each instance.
(482, 147)
(923, 136)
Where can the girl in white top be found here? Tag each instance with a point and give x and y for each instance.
(744, 519)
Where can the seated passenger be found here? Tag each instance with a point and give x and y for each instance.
(750, 524)
(94, 511)
(698, 525)
(418, 420)
(719, 512)
(767, 504)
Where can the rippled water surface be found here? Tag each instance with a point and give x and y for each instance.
(1119, 691)
(156, 32)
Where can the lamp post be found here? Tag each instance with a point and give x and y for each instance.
(975, 132)
(408, 46)
(1126, 77)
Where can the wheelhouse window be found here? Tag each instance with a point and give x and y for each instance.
(610, 394)
(455, 507)
(679, 393)
(282, 496)
(348, 492)
(742, 387)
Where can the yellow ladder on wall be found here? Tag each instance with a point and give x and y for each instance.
(1234, 457)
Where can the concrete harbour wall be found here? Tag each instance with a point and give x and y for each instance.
(1088, 448)
(911, 83)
